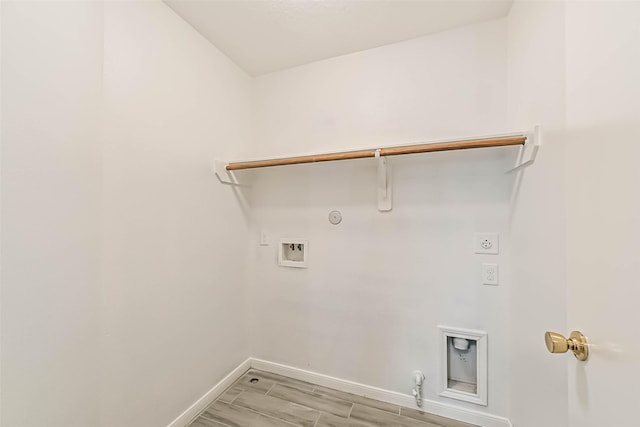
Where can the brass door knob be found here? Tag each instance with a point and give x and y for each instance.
(556, 343)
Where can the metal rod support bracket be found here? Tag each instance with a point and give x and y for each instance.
(225, 176)
(529, 150)
(385, 189)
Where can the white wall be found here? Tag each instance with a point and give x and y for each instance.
(173, 280)
(536, 94)
(122, 297)
(378, 284)
(51, 186)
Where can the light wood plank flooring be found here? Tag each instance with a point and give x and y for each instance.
(262, 399)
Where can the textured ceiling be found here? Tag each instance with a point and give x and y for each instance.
(262, 36)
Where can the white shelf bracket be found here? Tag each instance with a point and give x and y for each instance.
(385, 189)
(529, 150)
(225, 176)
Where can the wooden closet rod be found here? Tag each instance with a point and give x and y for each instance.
(393, 151)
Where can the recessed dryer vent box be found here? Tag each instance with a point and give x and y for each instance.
(464, 364)
(293, 253)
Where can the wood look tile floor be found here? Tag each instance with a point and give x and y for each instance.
(262, 399)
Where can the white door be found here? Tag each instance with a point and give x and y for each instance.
(603, 210)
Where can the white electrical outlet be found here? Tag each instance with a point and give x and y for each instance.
(485, 243)
(489, 274)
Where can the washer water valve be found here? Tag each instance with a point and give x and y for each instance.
(418, 378)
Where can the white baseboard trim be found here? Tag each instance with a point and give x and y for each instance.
(471, 416)
(201, 404)
(438, 408)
